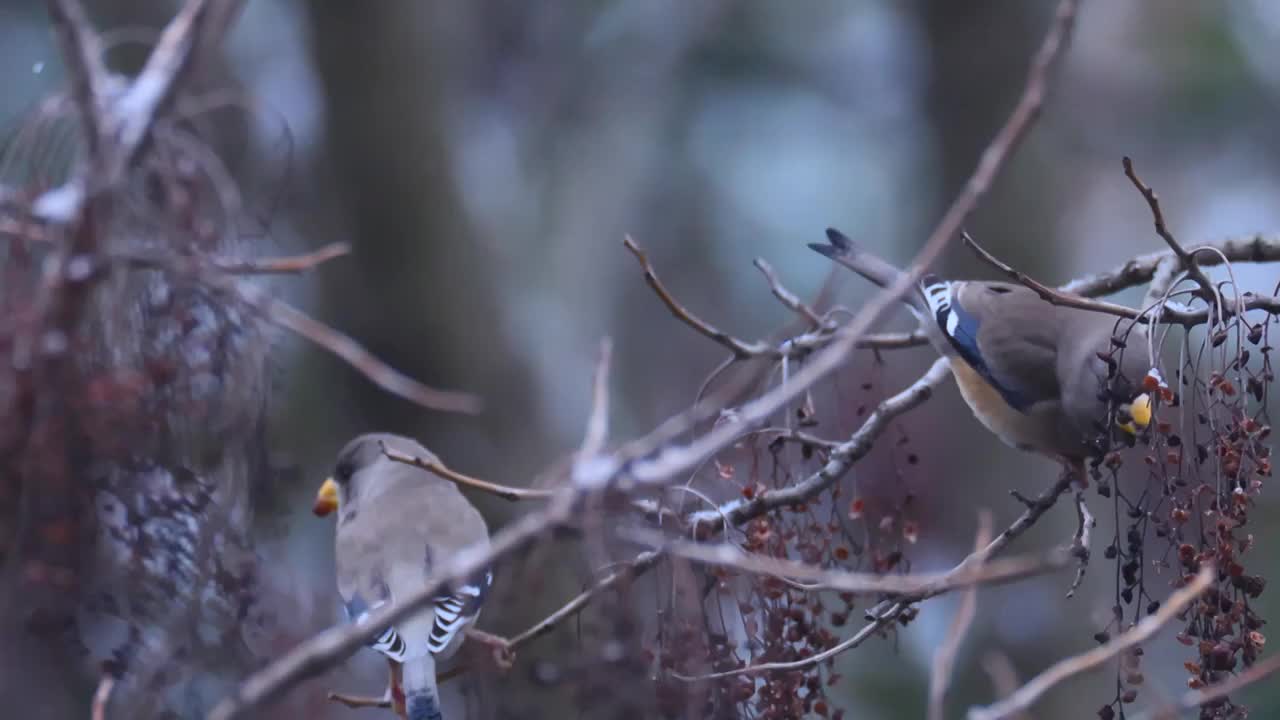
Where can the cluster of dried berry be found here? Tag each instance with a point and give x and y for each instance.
(1207, 461)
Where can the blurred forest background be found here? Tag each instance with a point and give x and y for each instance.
(485, 159)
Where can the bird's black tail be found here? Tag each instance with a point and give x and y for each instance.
(860, 260)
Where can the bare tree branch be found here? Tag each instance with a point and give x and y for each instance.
(152, 91)
(944, 660)
(785, 296)
(821, 336)
(1046, 293)
(1162, 313)
(1080, 543)
(291, 265)
(888, 610)
(842, 457)
(741, 349)
(859, 583)
(1187, 260)
(860, 637)
(88, 76)
(356, 702)
(127, 116)
(642, 563)
(296, 321)
(598, 421)
(1004, 676)
(506, 492)
(102, 696)
(355, 355)
(1064, 669)
(1167, 272)
(1139, 270)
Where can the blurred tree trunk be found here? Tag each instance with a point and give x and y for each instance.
(388, 153)
(414, 251)
(979, 55)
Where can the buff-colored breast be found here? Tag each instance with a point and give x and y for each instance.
(1043, 429)
(1016, 429)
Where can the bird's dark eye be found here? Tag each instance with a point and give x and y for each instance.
(998, 289)
(345, 469)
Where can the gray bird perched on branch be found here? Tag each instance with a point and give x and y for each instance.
(398, 523)
(1042, 377)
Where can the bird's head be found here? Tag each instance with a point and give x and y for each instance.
(351, 476)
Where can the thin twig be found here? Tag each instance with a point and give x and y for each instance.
(290, 265)
(888, 610)
(1004, 676)
(822, 335)
(892, 341)
(506, 492)
(102, 697)
(1069, 667)
(881, 619)
(1164, 314)
(1080, 542)
(1187, 260)
(859, 583)
(641, 564)
(167, 65)
(785, 296)
(87, 75)
(740, 348)
(128, 116)
(1166, 274)
(944, 660)
(356, 702)
(1046, 293)
(296, 321)
(355, 355)
(1141, 269)
(598, 421)
(842, 457)
(638, 566)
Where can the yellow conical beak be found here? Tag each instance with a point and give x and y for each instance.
(1140, 411)
(326, 498)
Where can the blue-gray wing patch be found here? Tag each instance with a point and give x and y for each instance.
(452, 613)
(388, 641)
(961, 328)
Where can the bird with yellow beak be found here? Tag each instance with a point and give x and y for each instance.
(396, 523)
(1041, 377)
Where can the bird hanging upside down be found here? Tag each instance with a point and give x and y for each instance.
(396, 524)
(1042, 377)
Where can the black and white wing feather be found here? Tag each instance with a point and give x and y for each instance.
(456, 610)
(453, 612)
(388, 641)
